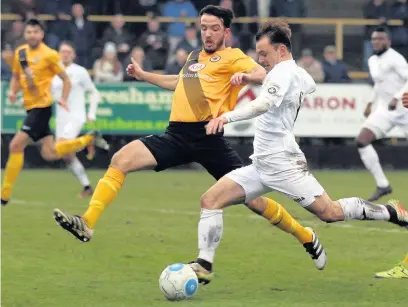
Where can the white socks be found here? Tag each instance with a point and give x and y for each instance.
(371, 161)
(360, 209)
(79, 171)
(209, 233)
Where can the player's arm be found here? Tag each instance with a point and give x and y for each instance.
(15, 85)
(246, 70)
(401, 68)
(95, 95)
(271, 95)
(168, 82)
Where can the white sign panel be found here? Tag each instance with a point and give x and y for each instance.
(334, 110)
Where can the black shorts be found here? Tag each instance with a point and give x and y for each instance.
(37, 123)
(187, 142)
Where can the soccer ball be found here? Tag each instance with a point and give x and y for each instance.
(178, 282)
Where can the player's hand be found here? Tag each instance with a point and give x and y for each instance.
(405, 100)
(64, 104)
(12, 96)
(240, 78)
(134, 70)
(393, 104)
(216, 125)
(367, 110)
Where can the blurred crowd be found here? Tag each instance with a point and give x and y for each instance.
(107, 47)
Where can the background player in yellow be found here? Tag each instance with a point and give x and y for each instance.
(398, 272)
(34, 67)
(207, 86)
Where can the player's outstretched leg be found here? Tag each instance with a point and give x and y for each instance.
(132, 157)
(226, 192)
(398, 272)
(371, 161)
(14, 165)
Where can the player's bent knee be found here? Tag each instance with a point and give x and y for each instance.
(361, 144)
(327, 215)
(122, 162)
(15, 147)
(208, 202)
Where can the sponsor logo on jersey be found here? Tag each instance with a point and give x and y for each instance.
(196, 67)
(215, 58)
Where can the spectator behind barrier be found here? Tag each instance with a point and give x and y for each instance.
(175, 67)
(14, 37)
(239, 11)
(118, 34)
(82, 35)
(154, 43)
(399, 34)
(139, 55)
(335, 70)
(190, 41)
(7, 55)
(311, 65)
(177, 8)
(108, 68)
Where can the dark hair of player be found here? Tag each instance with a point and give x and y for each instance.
(35, 23)
(67, 43)
(277, 31)
(226, 15)
(382, 30)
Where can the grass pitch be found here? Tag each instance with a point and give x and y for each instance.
(153, 223)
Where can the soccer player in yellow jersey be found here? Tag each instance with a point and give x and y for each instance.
(207, 86)
(34, 67)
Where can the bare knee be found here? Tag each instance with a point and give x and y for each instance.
(16, 146)
(49, 154)
(365, 138)
(257, 205)
(328, 214)
(208, 202)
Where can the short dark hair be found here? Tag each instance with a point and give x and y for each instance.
(278, 32)
(35, 23)
(226, 15)
(382, 29)
(68, 43)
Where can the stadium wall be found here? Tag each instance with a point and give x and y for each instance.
(326, 126)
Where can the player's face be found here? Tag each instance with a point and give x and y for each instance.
(268, 55)
(33, 35)
(213, 33)
(380, 41)
(67, 54)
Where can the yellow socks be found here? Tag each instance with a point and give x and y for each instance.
(69, 146)
(278, 216)
(106, 191)
(405, 262)
(13, 167)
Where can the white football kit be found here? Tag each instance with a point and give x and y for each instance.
(389, 72)
(278, 164)
(69, 123)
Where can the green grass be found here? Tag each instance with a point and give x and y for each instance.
(153, 223)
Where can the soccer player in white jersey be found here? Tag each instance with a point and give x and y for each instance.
(389, 71)
(69, 123)
(278, 164)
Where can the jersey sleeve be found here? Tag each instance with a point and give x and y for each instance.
(16, 68)
(401, 68)
(243, 63)
(87, 81)
(55, 63)
(275, 87)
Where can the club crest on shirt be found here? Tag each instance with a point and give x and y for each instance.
(196, 67)
(215, 58)
(273, 89)
(36, 60)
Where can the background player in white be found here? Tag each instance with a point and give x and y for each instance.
(69, 124)
(278, 164)
(389, 71)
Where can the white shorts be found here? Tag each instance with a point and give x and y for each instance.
(382, 121)
(286, 173)
(68, 129)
